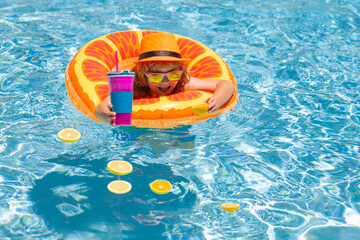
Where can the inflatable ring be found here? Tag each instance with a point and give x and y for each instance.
(87, 85)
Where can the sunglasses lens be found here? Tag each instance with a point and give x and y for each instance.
(174, 76)
(155, 78)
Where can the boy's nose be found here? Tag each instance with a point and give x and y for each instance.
(165, 79)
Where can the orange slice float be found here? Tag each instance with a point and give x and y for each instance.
(87, 85)
(120, 167)
(119, 187)
(201, 109)
(69, 135)
(230, 207)
(160, 186)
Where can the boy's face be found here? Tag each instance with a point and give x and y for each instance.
(165, 87)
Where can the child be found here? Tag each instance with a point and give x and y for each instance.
(160, 71)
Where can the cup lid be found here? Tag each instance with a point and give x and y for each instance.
(127, 73)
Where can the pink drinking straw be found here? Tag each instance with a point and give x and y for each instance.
(116, 61)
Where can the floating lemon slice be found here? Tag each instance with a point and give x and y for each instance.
(119, 187)
(230, 207)
(120, 167)
(160, 186)
(201, 109)
(69, 135)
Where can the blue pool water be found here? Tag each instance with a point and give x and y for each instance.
(288, 153)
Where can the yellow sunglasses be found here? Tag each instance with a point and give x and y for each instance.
(158, 77)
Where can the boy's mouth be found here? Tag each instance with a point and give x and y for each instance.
(164, 89)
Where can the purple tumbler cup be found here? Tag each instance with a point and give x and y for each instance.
(121, 85)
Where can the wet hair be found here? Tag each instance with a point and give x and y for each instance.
(141, 85)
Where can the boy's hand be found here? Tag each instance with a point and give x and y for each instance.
(110, 115)
(105, 114)
(213, 105)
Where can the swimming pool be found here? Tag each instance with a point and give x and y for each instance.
(288, 153)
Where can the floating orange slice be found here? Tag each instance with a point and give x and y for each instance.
(120, 167)
(69, 135)
(119, 187)
(160, 186)
(201, 108)
(230, 207)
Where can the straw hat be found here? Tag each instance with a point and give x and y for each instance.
(159, 47)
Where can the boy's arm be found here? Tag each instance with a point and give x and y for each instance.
(222, 89)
